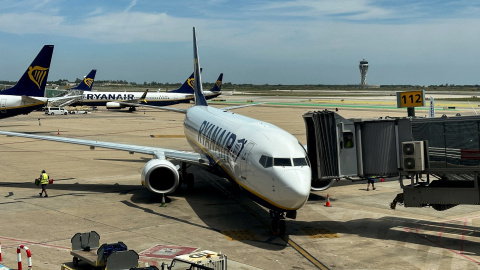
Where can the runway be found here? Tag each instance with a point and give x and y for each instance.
(100, 190)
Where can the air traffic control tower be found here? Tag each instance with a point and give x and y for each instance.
(363, 71)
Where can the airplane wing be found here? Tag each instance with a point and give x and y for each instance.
(28, 99)
(183, 110)
(241, 106)
(153, 107)
(160, 153)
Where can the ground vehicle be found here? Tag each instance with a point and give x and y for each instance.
(204, 259)
(76, 111)
(86, 247)
(55, 110)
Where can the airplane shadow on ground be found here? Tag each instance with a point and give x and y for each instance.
(232, 211)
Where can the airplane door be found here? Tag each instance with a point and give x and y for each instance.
(3, 106)
(244, 159)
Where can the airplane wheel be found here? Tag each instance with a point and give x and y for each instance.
(75, 261)
(274, 225)
(282, 227)
(190, 181)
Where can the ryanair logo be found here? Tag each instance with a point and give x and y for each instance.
(219, 84)
(37, 74)
(88, 81)
(191, 81)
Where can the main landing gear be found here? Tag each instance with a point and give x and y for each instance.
(187, 178)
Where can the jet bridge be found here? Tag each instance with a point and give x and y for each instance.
(437, 160)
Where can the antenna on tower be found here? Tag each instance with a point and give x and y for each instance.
(363, 71)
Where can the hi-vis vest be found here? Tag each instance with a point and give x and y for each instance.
(44, 179)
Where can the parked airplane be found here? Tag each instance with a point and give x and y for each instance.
(87, 83)
(28, 93)
(267, 162)
(114, 100)
(187, 88)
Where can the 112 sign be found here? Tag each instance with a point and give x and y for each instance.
(410, 99)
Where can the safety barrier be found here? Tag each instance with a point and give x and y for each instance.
(19, 257)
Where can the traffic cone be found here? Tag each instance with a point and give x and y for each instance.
(327, 204)
(58, 132)
(382, 180)
(163, 201)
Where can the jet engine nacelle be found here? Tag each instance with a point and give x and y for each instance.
(114, 105)
(321, 184)
(160, 176)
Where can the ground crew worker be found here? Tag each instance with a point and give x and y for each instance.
(371, 180)
(44, 183)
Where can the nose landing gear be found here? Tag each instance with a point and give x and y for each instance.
(278, 222)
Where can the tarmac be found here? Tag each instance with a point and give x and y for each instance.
(99, 190)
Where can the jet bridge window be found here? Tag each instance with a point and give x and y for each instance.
(266, 161)
(348, 139)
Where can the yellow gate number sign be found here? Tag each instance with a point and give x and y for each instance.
(410, 99)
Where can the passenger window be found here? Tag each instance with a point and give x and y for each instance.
(300, 162)
(282, 162)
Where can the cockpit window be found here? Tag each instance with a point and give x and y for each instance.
(266, 161)
(282, 162)
(300, 162)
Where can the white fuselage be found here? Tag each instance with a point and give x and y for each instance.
(12, 105)
(160, 99)
(263, 159)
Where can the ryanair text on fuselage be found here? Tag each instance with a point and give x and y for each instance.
(218, 139)
(115, 97)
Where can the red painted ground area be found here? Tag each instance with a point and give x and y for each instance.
(166, 252)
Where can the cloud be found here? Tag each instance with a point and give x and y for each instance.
(122, 27)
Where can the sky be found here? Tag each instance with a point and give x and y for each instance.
(421, 42)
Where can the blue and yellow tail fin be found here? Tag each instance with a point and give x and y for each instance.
(187, 86)
(87, 82)
(199, 97)
(34, 80)
(218, 84)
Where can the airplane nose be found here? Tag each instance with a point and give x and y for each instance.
(297, 184)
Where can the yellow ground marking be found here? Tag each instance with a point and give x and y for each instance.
(240, 235)
(320, 233)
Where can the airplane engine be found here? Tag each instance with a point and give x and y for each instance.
(321, 184)
(114, 105)
(160, 176)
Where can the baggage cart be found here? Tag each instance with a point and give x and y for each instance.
(86, 247)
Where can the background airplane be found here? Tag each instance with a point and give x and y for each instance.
(115, 100)
(28, 93)
(187, 87)
(265, 161)
(87, 83)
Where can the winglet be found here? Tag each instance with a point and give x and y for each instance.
(34, 80)
(199, 97)
(87, 82)
(144, 96)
